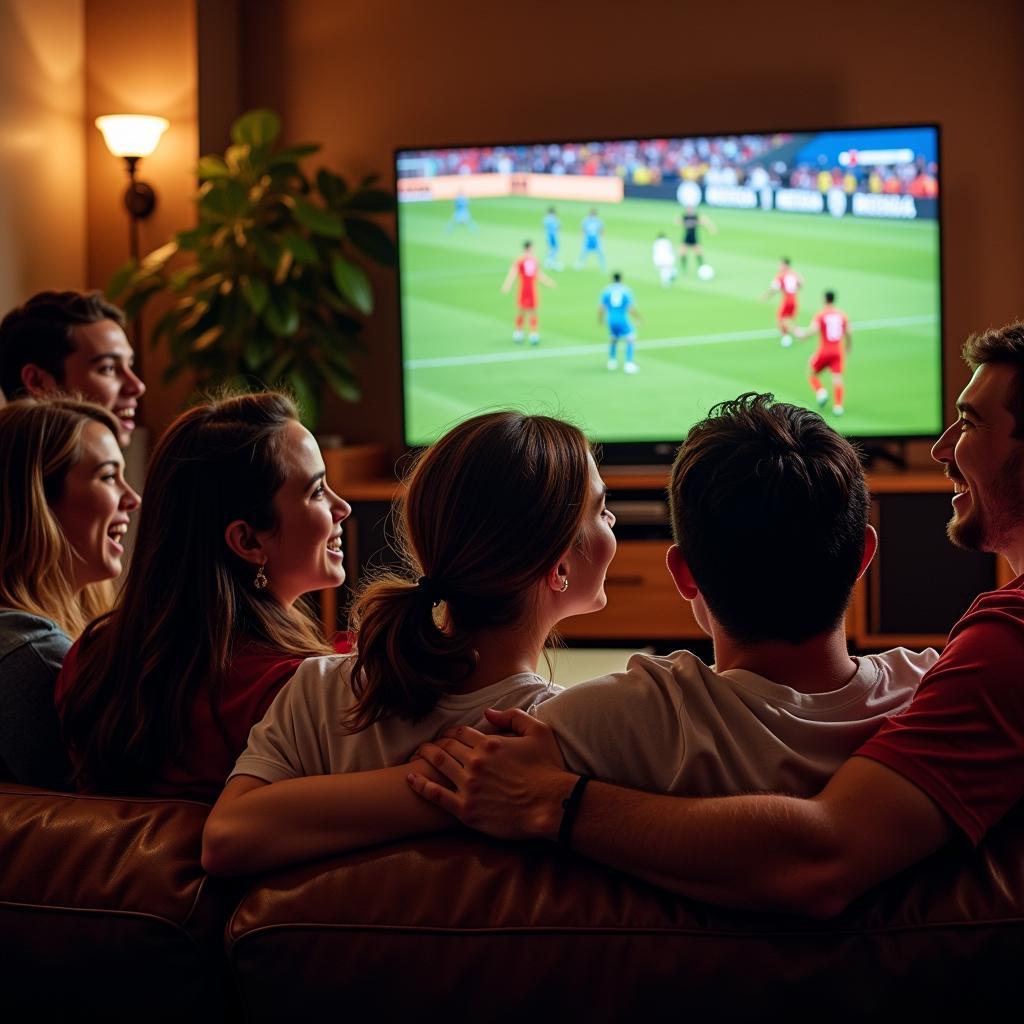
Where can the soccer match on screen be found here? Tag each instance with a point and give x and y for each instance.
(630, 285)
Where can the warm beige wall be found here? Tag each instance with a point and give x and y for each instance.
(141, 59)
(42, 147)
(365, 76)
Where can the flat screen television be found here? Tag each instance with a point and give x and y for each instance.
(508, 258)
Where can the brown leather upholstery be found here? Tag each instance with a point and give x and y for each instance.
(458, 921)
(105, 910)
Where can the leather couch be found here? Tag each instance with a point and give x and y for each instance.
(105, 911)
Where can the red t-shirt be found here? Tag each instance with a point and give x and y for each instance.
(787, 282)
(832, 327)
(961, 739)
(256, 675)
(527, 269)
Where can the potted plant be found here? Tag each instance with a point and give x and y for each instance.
(269, 294)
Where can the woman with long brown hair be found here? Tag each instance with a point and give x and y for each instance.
(159, 696)
(505, 533)
(64, 511)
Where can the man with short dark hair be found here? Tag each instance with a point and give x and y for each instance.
(769, 511)
(952, 763)
(71, 342)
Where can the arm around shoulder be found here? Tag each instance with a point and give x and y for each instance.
(803, 856)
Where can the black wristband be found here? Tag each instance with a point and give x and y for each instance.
(570, 808)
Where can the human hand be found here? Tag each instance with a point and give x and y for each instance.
(511, 787)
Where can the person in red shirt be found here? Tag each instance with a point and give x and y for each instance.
(528, 271)
(836, 339)
(158, 696)
(786, 283)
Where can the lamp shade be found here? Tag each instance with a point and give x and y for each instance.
(131, 134)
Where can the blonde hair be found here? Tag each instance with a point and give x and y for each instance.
(40, 440)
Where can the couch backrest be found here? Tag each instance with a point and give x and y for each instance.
(447, 923)
(105, 910)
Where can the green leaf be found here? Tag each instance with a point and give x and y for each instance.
(281, 316)
(292, 155)
(373, 240)
(256, 128)
(306, 389)
(301, 248)
(352, 284)
(180, 279)
(332, 187)
(267, 249)
(211, 167)
(343, 383)
(193, 238)
(135, 302)
(165, 325)
(256, 293)
(207, 338)
(317, 219)
(371, 200)
(276, 370)
(226, 200)
(158, 257)
(119, 280)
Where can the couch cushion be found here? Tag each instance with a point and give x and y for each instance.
(457, 921)
(104, 908)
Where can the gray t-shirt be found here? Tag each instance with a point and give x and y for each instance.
(32, 651)
(302, 732)
(675, 725)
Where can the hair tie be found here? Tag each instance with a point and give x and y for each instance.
(432, 588)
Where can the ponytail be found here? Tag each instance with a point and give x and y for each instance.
(488, 510)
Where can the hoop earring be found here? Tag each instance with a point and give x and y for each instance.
(565, 584)
(260, 583)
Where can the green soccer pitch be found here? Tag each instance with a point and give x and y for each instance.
(699, 342)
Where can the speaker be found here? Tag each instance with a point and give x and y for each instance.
(920, 583)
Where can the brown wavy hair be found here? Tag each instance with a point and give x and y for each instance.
(488, 510)
(188, 600)
(40, 441)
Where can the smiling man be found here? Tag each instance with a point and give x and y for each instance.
(75, 343)
(951, 764)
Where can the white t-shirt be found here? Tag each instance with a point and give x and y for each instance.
(674, 725)
(302, 732)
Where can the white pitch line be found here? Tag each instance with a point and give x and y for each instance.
(645, 345)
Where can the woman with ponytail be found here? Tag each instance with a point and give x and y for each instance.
(159, 696)
(504, 532)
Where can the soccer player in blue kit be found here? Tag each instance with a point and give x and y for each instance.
(461, 214)
(616, 308)
(593, 229)
(552, 227)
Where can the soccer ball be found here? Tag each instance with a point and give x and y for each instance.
(706, 272)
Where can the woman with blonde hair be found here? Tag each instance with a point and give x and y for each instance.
(159, 696)
(505, 533)
(63, 516)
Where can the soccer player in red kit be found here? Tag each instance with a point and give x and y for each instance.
(787, 282)
(836, 340)
(527, 269)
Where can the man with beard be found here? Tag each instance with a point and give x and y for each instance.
(951, 764)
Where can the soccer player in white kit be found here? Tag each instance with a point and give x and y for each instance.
(664, 256)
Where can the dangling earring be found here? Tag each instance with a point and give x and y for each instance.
(565, 584)
(260, 583)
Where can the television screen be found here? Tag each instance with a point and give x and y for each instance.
(629, 285)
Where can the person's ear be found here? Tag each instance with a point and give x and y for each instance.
(870, 547)
(241, 538)
(679, 570)
(557, 578)
(37, 381)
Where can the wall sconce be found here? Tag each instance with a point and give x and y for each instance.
(134, 136)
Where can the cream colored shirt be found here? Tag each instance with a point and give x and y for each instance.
(302, 732)
(675, 725)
